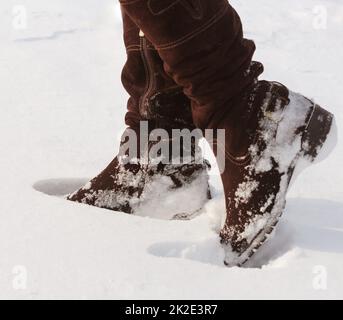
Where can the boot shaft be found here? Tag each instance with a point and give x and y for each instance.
(153, 94)
(203, 49)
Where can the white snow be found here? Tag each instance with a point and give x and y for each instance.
(245, 190)
(62, 109)
(182, 202)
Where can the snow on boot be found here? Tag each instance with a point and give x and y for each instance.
(136, 188)
(269, 131)
(279, 132)
(154, 189)
(148, 189)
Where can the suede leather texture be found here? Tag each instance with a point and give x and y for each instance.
(203, 49)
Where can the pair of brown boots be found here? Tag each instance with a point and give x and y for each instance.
(188, 67)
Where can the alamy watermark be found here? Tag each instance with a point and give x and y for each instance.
(176, 146)
(320, 19)
(19, 17)
(320, 279)
(19, 281)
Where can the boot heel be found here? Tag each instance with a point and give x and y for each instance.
(320, 136)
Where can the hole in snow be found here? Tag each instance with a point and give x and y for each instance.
(59, 187)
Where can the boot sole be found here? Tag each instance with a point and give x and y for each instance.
(318, 141)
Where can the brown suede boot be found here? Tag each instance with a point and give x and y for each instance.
(136, 187)
(270, 132)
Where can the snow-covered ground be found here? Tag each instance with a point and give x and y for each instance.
(62, 108)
